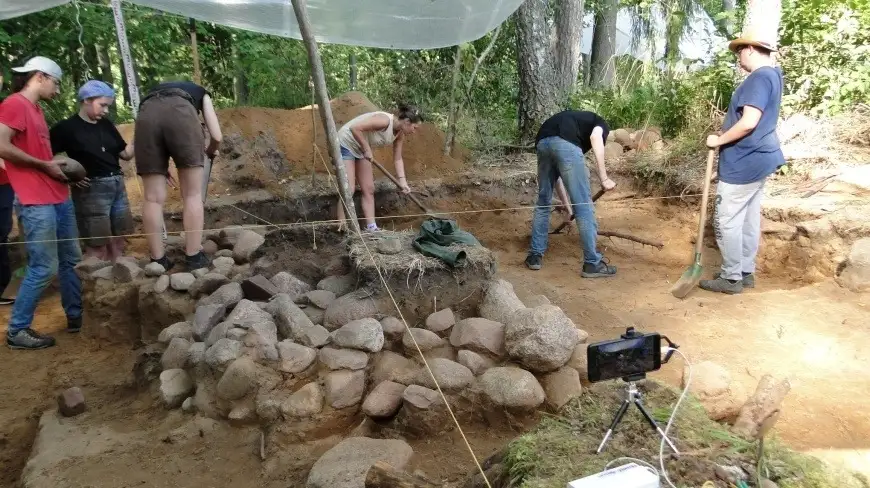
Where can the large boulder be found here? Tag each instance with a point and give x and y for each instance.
(343, 358)
(207, 284)
(290, 285)
(295, 358)
(475, 363)
(500, 302)
(384, 400)
(223, 352)
(179, 329)
(248, 313)
(561, 386)
(344, 388)
(540, 339)
(440, 320)
(426, 340)
(244, 376)
(175, 356)
(389, 366)
(294, 324)
(321, 298)
(712, 385)
(338, 285)
(856, 275)
(512, 388)
(480, 335)
(246, 245)
(423, 413)
(364, 334)
(350, 307)
(346, 464)
(259, 288)
(175, 387)
(205, 318)
(228, 295)
(450, 375)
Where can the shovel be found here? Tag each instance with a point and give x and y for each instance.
(692, 275)
(399, 185)
(561, 227)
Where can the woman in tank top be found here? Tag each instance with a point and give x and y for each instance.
(357, 139)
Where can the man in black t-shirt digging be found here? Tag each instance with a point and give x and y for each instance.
(561, 142)
(102, 209)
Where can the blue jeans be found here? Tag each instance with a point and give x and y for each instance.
(48, 254)
(558, 157)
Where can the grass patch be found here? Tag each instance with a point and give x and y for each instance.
(562, 447)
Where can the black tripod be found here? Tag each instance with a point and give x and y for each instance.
(632, 395)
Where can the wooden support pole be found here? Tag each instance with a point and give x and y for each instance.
(382, 475)
(299, 8)
(194, 51)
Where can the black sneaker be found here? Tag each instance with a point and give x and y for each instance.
(73, 325)
(721, 285)
(7, 301)
(600, 270)
(165, 262)
(28, 339)
(197, 261)
(748, 279)
(533, 261)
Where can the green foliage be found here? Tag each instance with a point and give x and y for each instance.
(826, 54)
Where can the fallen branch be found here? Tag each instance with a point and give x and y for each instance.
(382, 475)
(640, 240)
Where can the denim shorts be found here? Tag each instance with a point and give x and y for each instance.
(346, 154)
(102, 210)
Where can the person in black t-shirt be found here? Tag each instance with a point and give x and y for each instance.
(102, 209)
(561, 142)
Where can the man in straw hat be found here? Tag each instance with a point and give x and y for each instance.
(749, 152)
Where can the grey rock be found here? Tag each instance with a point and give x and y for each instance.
(294, 324)
(154, 269)
(339, 285)
(222, 353)
(175, 387)
(196, 354)
(236, 333)
(259, 288)
(321, 298)
(207, 284)
(290, 285)
(178, 329)
(162, 284)
(238, 380)
(426, 340)
(71, 402)
(423, 413)
(540, 339)
(346, 309)
(218, 332)
(345, 388)
(176, 354)
(261, 340)
(225, 253)
(389, 366)
(856, 273)
(209, 247)
(223, 264)
(188, 405)
(536, 301)
(561, 386)
(579, 361)
(295, 358)
(451, 376)
(228, 295)
(125, 271)
(384, 400)
(247, 313)
(346, 464)
(246, 245)
(364, 334)
(476, 363)
(512, 388)
(205, 318)
(500, 302)
(343, 358)
(392, 326)
(242, 413)
(103, 274)
(389, 246)
(315, 314)
(305, 402)
(229, 235)
(181, 281)
(199, 273)
(480, 335)
(91, 264)
(441, 320)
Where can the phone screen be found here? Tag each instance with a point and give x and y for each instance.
(624, 357)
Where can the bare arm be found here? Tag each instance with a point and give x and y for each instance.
(379, 122)
(597, 140)
(211, 123)
(127, 153)
(9, 152)
(747, 123)
(399, 163)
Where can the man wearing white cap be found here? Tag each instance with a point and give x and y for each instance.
(43, 203)
(749, 152)
(102, 209)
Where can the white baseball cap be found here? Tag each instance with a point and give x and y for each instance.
(43, 64)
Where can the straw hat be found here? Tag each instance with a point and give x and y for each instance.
(753, 37)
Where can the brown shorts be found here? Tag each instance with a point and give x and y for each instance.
(168, 127)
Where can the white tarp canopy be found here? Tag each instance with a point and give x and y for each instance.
(392, 24)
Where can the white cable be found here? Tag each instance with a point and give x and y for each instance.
(82, 44)
(664, 472)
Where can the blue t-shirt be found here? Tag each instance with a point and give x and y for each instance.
(758, 154)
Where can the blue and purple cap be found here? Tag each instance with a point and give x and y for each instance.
(95, 89)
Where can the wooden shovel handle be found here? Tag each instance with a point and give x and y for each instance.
(399, 185)
(705, 197)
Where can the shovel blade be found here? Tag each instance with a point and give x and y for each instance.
(688, 281)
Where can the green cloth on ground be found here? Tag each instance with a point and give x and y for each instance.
(437, 235)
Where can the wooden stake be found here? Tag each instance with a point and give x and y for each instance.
(300, 9)
(194, 52)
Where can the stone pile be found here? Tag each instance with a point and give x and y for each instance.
(275, 350)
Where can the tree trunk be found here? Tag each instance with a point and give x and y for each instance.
(569, 30)
(538, 84)
(454, 106)
(300, 9)
(604, 44)
(353, 71)
(240, 79)
(194, 52)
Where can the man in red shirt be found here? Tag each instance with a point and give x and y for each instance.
(43, 203)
